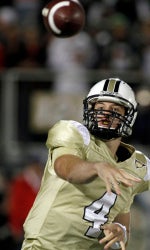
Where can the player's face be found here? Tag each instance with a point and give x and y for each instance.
(105, 117)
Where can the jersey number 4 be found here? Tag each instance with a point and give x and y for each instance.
(97, 213)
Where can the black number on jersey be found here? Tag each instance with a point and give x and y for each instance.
(97, 213)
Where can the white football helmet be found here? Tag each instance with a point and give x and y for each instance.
(116, 91)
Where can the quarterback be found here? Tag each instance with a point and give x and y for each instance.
(91, 176)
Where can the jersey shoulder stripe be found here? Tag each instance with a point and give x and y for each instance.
(83, 131)
(143, 162)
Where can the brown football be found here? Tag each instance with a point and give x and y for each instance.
(64, 18)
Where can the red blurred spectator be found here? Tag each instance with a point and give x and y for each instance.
(24, 188)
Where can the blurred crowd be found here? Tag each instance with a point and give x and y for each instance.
(116, 37)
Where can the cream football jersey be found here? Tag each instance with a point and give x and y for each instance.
(68, 216)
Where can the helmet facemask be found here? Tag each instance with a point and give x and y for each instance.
(106, 130)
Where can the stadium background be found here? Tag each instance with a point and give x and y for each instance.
(44, 79)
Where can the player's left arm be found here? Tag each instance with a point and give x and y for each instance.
(117, 233)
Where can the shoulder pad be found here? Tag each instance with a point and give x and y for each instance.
(65, 133)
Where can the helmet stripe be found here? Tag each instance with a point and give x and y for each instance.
(106, 85)
(111, 85)
(117, 86)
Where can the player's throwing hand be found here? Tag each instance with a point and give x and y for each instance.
(113, 176)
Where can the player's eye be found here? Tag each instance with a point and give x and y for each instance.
(118, 110)
(99, 107)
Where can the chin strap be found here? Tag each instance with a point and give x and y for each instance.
(104, 134)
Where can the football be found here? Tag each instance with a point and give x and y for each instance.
(64, 18)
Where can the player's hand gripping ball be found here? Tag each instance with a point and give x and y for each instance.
(64, 18)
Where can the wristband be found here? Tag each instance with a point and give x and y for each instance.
(117, 245)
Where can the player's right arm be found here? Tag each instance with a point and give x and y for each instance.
(67, 140)
(76, 170)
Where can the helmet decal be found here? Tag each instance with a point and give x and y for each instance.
(111, 85)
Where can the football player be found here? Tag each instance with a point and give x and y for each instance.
(91, 176)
